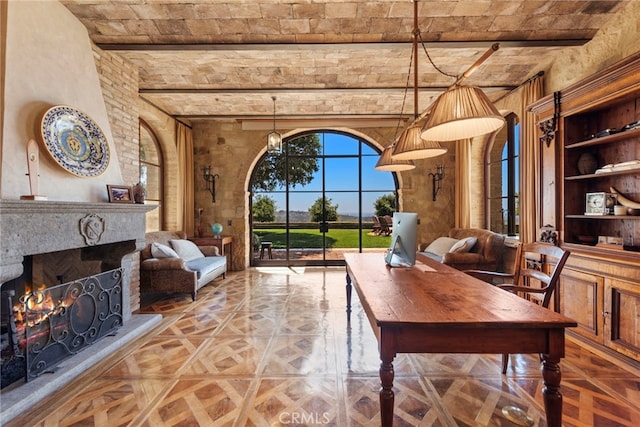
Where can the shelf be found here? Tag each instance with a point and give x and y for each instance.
(605, 139)
(603, 217)
(602, 175)
(600, 253)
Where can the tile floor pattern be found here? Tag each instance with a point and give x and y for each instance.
(271, 347)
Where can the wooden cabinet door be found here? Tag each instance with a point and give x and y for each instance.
(622, 323)
(581, 298)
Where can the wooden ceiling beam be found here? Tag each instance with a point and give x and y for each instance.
(477, 44)
(242, 91)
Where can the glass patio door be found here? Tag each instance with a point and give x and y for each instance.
(322, 191)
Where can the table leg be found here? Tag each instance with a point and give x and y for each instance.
(551, 390)
(348, 298)
(387, 396)
(230, 252)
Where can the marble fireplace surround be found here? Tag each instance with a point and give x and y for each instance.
(104, 231)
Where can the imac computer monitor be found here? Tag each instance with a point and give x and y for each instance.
(402, 252)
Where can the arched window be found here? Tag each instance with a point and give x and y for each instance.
(503, 165)
(151, 175)
(316, 200)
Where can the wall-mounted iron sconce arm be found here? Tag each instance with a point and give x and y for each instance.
(211, 181)
(436, 180)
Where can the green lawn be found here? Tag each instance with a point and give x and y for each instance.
(312, 238)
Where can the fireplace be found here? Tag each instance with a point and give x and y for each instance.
(66, 271)
(43, 325)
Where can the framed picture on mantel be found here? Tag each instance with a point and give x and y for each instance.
(120, 193)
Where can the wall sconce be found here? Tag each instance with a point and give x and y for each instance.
(436, 179)
(211, 181)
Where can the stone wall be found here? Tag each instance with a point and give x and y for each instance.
(119, 82)
(616, 40)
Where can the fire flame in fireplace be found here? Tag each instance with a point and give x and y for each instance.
(36, 306)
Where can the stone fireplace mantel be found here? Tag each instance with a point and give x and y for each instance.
(35, 227)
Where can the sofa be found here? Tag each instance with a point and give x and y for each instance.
(467, 249)
(170, 263)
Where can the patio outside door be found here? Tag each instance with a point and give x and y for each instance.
(322, 205)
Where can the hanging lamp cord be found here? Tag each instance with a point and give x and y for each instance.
(274, 113)
(417, 33)
(404, 99)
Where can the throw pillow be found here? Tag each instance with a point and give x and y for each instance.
(158, 250)
(464, 245)
(186, 249)
(441, 245)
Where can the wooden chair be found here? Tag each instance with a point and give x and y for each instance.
(535, 276)
(376, 224)
(386, 225)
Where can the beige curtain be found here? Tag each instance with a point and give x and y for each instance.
(186, 204)
(462, 186)
(529, 164)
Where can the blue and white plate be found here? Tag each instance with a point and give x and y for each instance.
(75, 141)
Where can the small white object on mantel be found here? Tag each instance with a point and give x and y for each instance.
(33, 164)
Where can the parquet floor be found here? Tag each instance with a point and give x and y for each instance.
(271, 347)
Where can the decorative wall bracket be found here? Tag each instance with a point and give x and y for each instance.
(210, 180)
(549, 235)
(549, 127)
(436, 180)
(548, 130)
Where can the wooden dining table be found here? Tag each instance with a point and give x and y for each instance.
(433, 308)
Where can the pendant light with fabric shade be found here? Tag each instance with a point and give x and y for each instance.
(461, 112)
(388, 163)
(411, 145)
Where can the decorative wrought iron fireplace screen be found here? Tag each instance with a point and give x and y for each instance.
(59, 321)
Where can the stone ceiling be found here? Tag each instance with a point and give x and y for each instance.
(330, 58)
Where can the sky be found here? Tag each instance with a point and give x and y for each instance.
(341, 179)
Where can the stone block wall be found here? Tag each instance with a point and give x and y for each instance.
(119, 82)
(231, 153)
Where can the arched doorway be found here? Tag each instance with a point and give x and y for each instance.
(315, 201)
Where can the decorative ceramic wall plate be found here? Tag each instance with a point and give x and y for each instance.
(75, 141)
